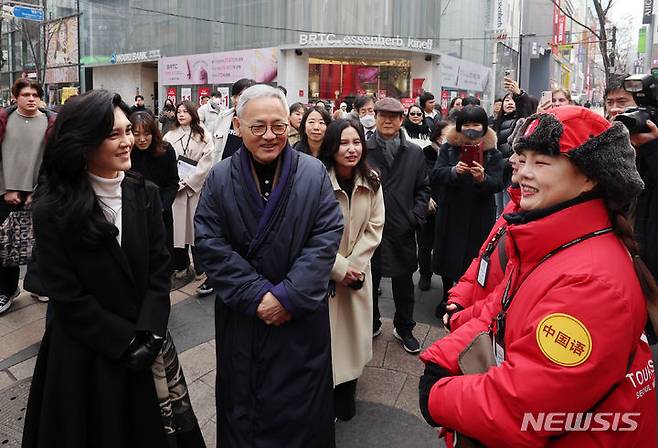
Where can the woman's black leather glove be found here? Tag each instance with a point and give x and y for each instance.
(142, 352)
(433, 373)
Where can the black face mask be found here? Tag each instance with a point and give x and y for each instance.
(472, 133)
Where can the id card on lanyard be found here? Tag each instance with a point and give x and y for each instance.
(498, 325)
(485, 258)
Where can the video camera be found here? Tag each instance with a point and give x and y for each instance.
(645, 93)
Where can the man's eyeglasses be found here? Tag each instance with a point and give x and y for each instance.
(260, 129)
(415, 114)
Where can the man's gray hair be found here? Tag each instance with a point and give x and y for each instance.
(260, 91)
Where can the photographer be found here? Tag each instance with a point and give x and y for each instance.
(622, 105)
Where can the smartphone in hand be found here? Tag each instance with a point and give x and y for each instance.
(470, 154)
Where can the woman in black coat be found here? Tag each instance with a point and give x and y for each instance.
(168, 116)
(107, 373)
(465, 195)
(155, 159)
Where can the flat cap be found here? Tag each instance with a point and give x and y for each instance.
(389, 105)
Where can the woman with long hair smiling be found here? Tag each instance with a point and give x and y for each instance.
(312, 129)
(107, 373)
(361, 200)
(194, 146)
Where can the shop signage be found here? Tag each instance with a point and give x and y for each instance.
(225, 95)
(186, 94)
(648, 12)
(203, 91)
(336, 40)
(407, 103)
(464, 75)
(171, 94)
(220, 68)
(136, 56)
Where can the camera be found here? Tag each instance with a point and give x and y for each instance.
(645, 93)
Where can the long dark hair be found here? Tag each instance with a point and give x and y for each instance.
(146, 122)
(195, 124)
(622, 227)
(82, 125)
(502, 116)
(168, 105)
(303, 138)
(331, 145)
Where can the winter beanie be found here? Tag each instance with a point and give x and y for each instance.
(472, 114)
(602, 151)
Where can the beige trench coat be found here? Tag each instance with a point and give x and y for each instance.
(350, 311)
(187, 197)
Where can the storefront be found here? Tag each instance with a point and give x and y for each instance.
(128, 74)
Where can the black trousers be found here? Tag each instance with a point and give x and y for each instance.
(425, 239)
(182, 259)
(8, 275)
(403, 296)
(345, 400)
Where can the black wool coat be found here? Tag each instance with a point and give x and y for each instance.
(406, 190)
(646, 212)
(81, 394)
(466, 211)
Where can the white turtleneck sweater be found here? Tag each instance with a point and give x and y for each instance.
(108, 192)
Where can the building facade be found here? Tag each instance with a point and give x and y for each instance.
(320, 49)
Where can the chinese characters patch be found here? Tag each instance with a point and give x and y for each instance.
(564, 340)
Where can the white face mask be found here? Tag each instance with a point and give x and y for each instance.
(368, 121)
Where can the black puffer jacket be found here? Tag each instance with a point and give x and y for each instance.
(503, 132)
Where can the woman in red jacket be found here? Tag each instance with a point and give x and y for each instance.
(572, 364)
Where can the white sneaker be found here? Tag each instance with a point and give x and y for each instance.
(5, 300)
(44, 299)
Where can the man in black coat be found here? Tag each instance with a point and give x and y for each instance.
(403, 174)
(267, 232)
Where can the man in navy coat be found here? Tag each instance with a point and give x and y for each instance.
(267, 230)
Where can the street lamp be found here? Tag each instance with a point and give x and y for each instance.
(521, 36)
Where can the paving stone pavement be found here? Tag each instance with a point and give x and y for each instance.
(387, 397)
(387, 409)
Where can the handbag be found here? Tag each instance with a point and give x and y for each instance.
(16, 239)
(477, 357)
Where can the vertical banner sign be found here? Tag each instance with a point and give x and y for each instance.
(225, 95)
(642, 41)
(445, 101)
(171, 94)
(556, 20)
(648, 12)
(186, 94)
(203, 91)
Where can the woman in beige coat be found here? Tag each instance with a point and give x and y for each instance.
(350, 310)
(194, 146)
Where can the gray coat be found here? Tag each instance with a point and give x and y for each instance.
(274, 384)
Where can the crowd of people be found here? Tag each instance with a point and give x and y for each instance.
(539, 219)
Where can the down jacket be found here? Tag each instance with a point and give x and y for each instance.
(573, 341)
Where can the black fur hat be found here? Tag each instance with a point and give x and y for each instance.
(602, 151)
(472, 114)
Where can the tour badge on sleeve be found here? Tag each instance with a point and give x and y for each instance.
(564, 340)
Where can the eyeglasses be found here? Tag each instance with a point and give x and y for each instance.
(415, 114)
(260, 129)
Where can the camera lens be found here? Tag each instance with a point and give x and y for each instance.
(635, 120)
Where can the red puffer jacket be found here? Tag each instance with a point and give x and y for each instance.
(572, 328)
(467, 292)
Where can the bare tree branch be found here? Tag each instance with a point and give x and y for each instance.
(35, 56)
(573, 19)
(606, 10)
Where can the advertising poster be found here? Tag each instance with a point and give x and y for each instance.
(220, 68)
(186, 94)
(445, 101)
(203, 91)
(171, 94)
(225, 96)
(62, 56)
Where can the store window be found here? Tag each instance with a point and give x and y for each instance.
(345, 79)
